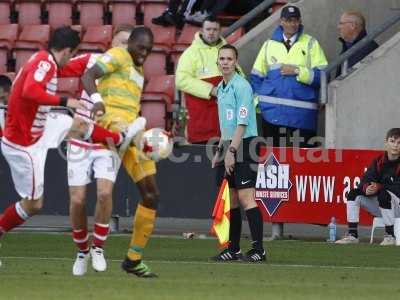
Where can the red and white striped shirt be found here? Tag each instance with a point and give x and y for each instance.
(33, 91)
(76, 67)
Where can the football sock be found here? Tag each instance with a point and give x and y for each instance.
(390, 230)
(353, 229)
(13, 216)
(143, 225)
(81, 237)
(102, 135)
(100, 234)
(235, 229)
(256, 227)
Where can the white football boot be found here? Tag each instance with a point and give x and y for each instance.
(348, 239)
(99, 263)
(80, 264)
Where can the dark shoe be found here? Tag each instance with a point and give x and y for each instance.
(166, 19)
(255, 256)
(138, 268)
(226, 255)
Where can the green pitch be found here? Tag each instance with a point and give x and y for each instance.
(38, 266)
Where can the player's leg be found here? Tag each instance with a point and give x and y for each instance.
(81, 129)
(388, 216)
(27, 171)
(79, 173)
(102, 223)
(105, 166)
(142, 172)
(78, 218)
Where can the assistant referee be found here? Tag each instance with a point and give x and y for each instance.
(237, 120)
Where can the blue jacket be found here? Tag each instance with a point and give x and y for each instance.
(289, 101)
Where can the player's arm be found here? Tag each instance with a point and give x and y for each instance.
(108, 63)
(37, 82)
(75, 67)
(89, 84)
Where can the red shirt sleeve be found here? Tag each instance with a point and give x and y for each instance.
(75, 66)
(38, 84)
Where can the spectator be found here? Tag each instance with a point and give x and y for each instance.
(286, 79)
(197, 76)
(352, 30)
(378, 189)
(174, 14)
(214, 8)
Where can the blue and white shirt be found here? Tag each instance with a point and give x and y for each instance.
(236, 107)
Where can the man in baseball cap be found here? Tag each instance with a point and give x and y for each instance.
(290, 11)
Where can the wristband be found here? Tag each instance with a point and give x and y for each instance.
(96, 97)
(63, 101)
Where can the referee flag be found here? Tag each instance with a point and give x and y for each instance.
(221, 217)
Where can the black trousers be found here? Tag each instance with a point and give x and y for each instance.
(237, 7)
(282, 136)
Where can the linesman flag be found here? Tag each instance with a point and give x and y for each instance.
(221, 216)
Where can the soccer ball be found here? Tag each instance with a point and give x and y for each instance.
(156, 144)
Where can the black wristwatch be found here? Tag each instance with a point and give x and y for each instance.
(232, 149)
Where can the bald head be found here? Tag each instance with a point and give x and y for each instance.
(350, 25)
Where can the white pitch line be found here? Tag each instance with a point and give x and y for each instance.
(215, 263)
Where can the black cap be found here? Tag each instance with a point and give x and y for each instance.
(290, 11)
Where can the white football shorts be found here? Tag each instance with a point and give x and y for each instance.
(85, 164)
(27, 163)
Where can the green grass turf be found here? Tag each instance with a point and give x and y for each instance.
(38, 266)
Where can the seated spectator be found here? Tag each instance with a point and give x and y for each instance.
(197, 76)
(214, 8)
(352, 30)
(378, 190)
(174, 15)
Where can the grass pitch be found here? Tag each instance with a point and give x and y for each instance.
(38, 266)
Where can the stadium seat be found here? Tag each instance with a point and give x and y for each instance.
(155, 64)
(96, 39)
(155, 114)
(68, 86)
(123, 12)
(160, 88)
(8, 36)
(91, 12)
(60, 12)
(152, 9)
(184, 40)
(186, 37)
(164, 37)
(5, 11)
(157, 101)
(31, 39)
(29, 12)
